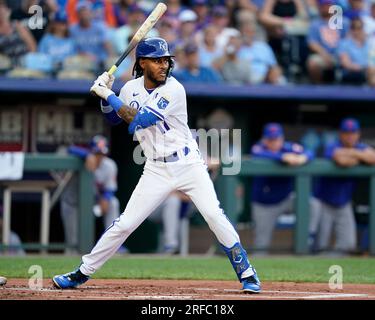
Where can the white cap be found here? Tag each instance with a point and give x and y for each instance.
(187, 16)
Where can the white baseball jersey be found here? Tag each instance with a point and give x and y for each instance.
(168, 103)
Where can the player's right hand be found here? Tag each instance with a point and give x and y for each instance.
(107, 78)
(100, 89)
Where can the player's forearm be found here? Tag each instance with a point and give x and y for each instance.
(267, 155)
(123, 111)
(367, 156)
(127, 113)
(345, 160)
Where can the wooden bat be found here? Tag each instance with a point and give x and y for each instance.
(151, 20)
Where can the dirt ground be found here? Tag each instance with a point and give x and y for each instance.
(96, 289)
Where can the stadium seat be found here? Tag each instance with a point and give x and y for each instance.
(75, 74)
(38, 61)
(26, 73)
(5, 63)
(79, 63)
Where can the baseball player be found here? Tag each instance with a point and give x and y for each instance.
(105, 178)
(154, 105)
(273, 196)
(335, 193)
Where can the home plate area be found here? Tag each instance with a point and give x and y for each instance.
(131, 289)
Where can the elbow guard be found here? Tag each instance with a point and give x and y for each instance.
(143, 119)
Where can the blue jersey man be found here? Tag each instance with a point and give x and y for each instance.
(273, 196)
(335, 194)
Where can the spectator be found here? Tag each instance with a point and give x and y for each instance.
(353, 53)
(281, 17)
(323, 42)
(276, 14)
(121, 11)
(168, 32)
(103, 11)
(174, 9)
(247, 5)
(208, 49)
(91, 38)
(15, 39)
(335, 194)
(188, 28)
(356, 8)
(236, 6)
(201, 8)
(273, 196)
(57, 42)
(193, 71)
(260, 57)
(14, 4)
(233, 69)
(179, 59)
(136, 16)
(369, 21)
(220, 19)
(26, 18)
(105, 178)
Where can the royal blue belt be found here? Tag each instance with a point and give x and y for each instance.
(173, 157)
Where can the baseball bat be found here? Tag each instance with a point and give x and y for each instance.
(151, 20)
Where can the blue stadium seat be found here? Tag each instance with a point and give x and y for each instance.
(38, 61)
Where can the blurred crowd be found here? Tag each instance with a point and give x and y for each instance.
(232, 41)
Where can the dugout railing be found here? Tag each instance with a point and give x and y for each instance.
(226, 186)
(52, 162)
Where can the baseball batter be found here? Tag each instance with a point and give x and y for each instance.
(154, 105)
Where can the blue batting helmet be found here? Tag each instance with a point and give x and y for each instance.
(99, 144)
(152, 48)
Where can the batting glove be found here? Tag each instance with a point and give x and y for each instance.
(101, 90)
(107, 78)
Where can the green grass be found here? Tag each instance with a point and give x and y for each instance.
(297, 269)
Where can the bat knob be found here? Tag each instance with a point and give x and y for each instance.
(93, 93)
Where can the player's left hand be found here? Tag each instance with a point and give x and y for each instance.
(107, 78)
(100, 89)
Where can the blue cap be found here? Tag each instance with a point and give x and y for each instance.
(329, 2)
(83, 5)
(219, 11)
(99, 144)
(199, 2)
(272, 131)
(349, 125)
(60, 16)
